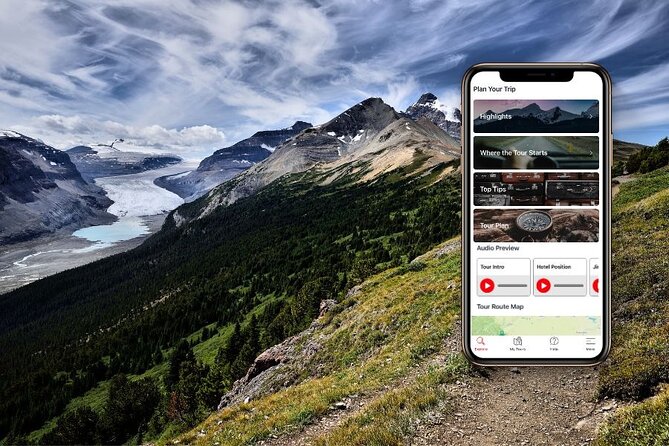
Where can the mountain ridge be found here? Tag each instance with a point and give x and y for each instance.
(228, 162)
(364, 137)
(41, 191)
(94, 163)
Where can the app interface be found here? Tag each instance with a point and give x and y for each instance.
(535, 217)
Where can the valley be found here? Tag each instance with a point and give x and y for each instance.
(140, 208)
(259, 313)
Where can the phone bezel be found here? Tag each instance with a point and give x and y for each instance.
(519, 69)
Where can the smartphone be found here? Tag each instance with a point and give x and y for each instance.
(536, 166)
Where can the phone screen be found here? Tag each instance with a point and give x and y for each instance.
(536, 175)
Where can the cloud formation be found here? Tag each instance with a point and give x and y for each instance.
(191, 143)
(188, 72)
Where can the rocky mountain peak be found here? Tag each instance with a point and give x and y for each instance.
(370, 114)
(429, 107)
(532, 108)
(426, 98)
(300, 125)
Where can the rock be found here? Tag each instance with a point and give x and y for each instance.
(326, 306)
(340, 405)
(354, 291)
(514, 370)
(429, 107)
(269, 371)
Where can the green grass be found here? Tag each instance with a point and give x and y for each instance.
(644, 424)
(371, 342)
(387, 420)
(639, 357)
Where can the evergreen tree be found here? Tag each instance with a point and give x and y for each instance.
(182, 353)
(130, 406)
(81, 426)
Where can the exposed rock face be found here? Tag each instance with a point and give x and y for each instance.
(429, 107)
(41, 191)
(272, 369)
(228, 162)
(103, 162)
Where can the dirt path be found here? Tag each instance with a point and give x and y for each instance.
(519, 406)
(495, 406)
(503, 406)
(617, 181)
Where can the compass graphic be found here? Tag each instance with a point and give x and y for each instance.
(536, 224)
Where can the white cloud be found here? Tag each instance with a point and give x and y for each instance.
(607, 32)
(238, 67)
(64, 132)
(401, 94)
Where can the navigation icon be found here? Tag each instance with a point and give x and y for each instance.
(487, 285)
(554, 340)
(543, 285)
(518, 341)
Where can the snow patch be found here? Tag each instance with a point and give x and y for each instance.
(10, 134)
(52, 163)
(266, 147)
(180, 175)
(135, 195)
(332, 134)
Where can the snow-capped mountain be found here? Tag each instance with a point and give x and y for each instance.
(228, 162)
(362, 143)
(429, 106)
(532, 118)
(555, 114)
(592, 111)
(103, 161)
(42, 191)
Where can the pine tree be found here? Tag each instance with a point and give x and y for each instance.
(182, 353)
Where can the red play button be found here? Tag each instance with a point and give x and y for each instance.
(543, 285)
(595, 285)
(487, 285)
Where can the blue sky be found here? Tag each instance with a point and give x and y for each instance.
(191, 76)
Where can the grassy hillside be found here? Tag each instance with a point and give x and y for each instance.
(274, 256)
(638, 363)
(623, 149)
(377, 343)
(639, 359)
